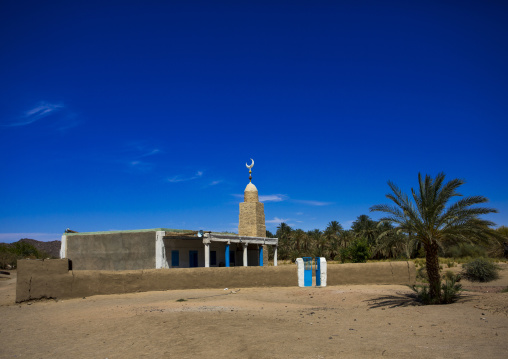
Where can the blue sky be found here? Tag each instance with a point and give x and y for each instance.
(142, 114)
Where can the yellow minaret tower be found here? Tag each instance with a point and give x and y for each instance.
(252, 212)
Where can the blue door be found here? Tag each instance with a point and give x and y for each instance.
(307, 271)
(318, 272)
(232, 259)
(193, 259)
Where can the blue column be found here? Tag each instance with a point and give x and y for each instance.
(227, 255)
(260, 256)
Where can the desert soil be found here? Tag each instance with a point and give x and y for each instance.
(342, 321)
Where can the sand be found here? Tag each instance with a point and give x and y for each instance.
(332, 322)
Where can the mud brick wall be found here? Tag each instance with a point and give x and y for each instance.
(403, 273)
(112, 251)
(52, 278)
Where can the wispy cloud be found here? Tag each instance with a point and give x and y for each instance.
(150, 153)
(180, 178)
(57, 117)
(272, 198)
(42, 110)
(278, 220)
(137, 156)
(141, 165)
(267, 197)
(312, 203)
(214, 183)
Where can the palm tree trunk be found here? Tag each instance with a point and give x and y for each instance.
(432, 264)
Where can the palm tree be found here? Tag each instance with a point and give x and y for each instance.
(365, 227)
(284, 235)
(435, 224)
(332, 235)
(298, 236)
(319, 242)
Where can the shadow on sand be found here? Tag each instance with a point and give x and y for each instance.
(403, 300)
(393, 301)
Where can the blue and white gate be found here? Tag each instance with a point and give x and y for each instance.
(317, 264)
(305, 272)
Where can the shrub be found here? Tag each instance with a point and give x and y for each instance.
(450, 291)
(480, 270)
(448, 275)
(7, 257)
(10, 253)
(421, 274)
(357, 252)
(466, 250)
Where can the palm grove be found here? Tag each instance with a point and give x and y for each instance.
(426, 224)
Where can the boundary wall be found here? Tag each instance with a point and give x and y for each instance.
(52, 278)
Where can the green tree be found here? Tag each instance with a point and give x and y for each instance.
(358, 251)
(299, 238)
(365, 227)
(434, 221)
(332, 235)
(319, 242)
(285, 245)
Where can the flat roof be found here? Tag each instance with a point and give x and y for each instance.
(183, 231)
(133, 231)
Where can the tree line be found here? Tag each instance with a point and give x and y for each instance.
(370, 239)
(365, 240)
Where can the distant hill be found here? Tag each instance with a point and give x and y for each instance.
(51, 248)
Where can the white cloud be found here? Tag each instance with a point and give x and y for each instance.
(299, 213)
(277, 220)
(151, 153)
(43, 109)
(179, 178)
(313, 203)
(137, 156)
(213, 183)
(272, 198)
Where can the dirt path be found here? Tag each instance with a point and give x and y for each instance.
(331, 322)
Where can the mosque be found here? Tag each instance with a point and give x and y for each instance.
(173, 248)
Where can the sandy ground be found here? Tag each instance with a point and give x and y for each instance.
(332, 322)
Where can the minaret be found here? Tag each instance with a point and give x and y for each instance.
(252, 212)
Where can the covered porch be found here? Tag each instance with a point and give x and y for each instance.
(215, 250)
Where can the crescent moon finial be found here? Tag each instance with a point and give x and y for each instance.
(250, 169)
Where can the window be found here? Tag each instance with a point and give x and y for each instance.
(213, 258)
(175, 258)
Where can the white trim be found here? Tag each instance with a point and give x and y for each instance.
(63, 247)
(301, 272)
(207, 255)
(323, 268)
(160, 251)
(245, 260)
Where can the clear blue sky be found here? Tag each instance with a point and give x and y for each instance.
(142, 114)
